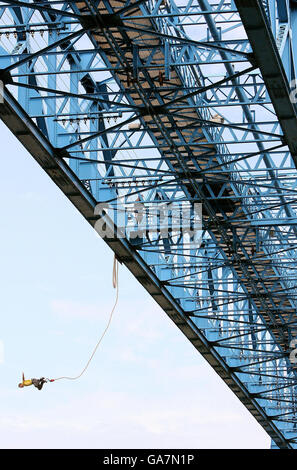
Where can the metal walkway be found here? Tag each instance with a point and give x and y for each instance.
(148, 104)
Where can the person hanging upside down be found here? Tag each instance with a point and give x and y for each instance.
(38, 383)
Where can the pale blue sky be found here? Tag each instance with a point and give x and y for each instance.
(147, 386)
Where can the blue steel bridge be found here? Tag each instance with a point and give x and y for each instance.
(190, 101)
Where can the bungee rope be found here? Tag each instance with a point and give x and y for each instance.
(115, 283)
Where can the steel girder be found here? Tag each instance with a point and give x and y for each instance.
(146, 102)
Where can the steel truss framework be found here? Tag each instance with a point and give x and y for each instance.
(162, 101)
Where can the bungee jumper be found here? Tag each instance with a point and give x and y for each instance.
(38, 383)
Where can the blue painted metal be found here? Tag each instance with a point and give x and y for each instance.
(180, 102)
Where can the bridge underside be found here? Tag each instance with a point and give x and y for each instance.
(157, 104)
